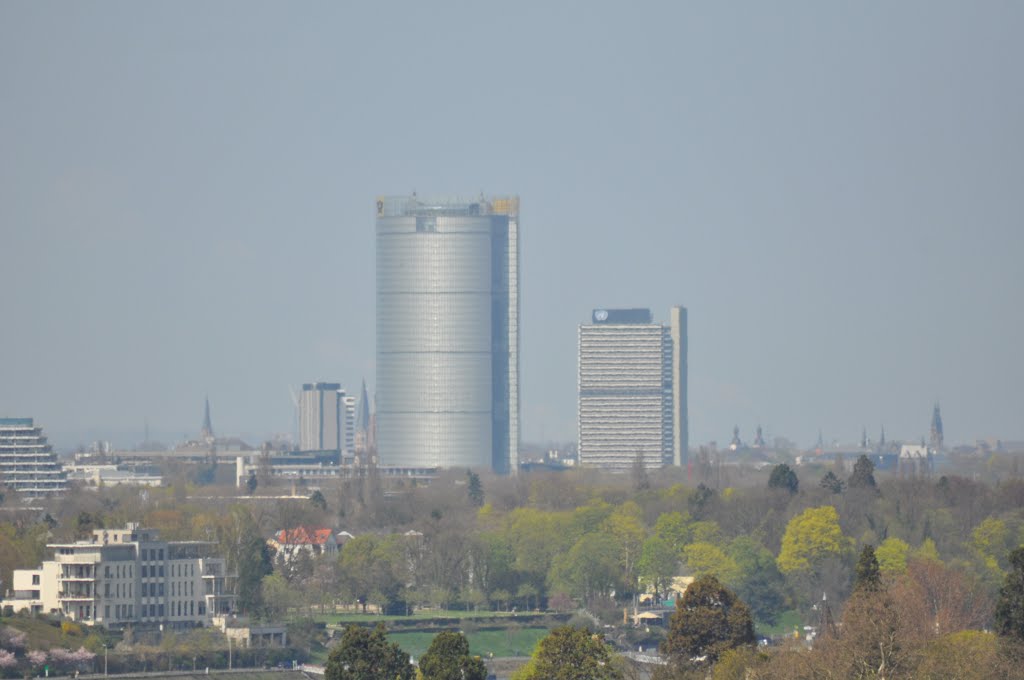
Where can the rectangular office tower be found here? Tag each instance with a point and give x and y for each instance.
(448, 332)
(632, 390)
(323, 418)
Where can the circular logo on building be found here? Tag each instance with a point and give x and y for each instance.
(600, 315)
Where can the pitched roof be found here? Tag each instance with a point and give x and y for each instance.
(303, 536)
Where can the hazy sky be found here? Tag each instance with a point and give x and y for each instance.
(834, 190)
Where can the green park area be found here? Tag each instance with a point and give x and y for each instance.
(483, 643)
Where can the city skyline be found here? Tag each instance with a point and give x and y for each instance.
(185, 204)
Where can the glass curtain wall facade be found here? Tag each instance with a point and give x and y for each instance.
(448, 333)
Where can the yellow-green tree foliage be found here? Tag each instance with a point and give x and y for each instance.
(927, 551)
(707, 558)
(569, 653)
(989, 541)
(892, 556)
(968, 654)
(812, 536)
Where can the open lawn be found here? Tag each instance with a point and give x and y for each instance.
(787, 620)
(418, 615)
(499, 643)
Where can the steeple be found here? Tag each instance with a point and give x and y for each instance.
(759, 439)
(936, 438)
(363, 411)
(207, 432)
(735, 443)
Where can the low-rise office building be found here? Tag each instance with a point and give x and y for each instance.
(128, 576)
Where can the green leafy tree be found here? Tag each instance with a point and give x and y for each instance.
(783, 477)
(569, 653)
(536, 538)
(863, 476)
(989, 541)
(892, 555)
(927, 551)
(760, 583)
(493, 560)
(277, 595)
(474, 489)
(589, 569)
(367, 655)
(869, 575)
(253, 562)
(374, 569)
(709, 619)
(674, 528)
(812, 537)
(658, 564)
(528, 593)
(708, 558)
(626, 527)
(832, 483)
(448, 659)
(1010, 606)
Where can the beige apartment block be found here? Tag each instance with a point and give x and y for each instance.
(128, 576)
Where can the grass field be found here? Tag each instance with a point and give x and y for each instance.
(509, 642)
(418, 615)
(783, 626)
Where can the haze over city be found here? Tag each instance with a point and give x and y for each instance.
(187, 203)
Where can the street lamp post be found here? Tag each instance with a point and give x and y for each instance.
(104, 659)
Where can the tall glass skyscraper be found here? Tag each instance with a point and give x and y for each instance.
(632, 390)
(448, 332)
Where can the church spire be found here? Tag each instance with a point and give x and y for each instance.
(936, 438)
(207, 432)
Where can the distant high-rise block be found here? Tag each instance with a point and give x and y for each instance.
(28, 464)
(323, 417)
(632, 390)
(448, 332)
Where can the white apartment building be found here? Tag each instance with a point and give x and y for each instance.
(128, 576)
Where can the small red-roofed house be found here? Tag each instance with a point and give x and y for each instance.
(288, 542)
